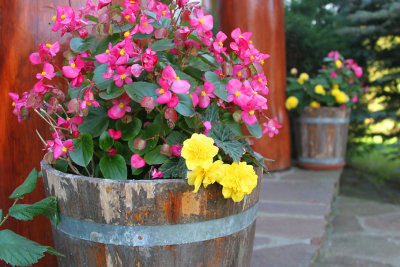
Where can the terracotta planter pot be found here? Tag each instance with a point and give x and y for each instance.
(149, 222)
(321, 138)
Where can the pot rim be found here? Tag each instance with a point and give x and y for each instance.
(48, 168)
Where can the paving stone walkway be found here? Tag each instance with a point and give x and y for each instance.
(293, 212)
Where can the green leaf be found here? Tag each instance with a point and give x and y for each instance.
(95, 123)
(79, 45)
(101, 83)
(228, 120)
(130, 130)
(105, 141)
(219, 85)
(174, 169)
(154, 157)
(27, 212)
(138, 90)
(185, 105)
(83, 150)
(27, 187)
(102, 45)
(1, 214)
(223, 138)
(255, 129)
(162, 45)
(175, 137)
(92, 18)
(113, 167)
(61, 165)
(258, 158)
(198, 63)
(20, 251)
(141, 36)
(122, 28)
(211, 113)
(113, 91)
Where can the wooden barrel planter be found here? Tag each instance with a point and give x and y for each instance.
(321, 138)
(149, 223)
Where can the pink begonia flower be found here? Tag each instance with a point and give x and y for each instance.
(238, 71)
(89, 100)
(366, 89)
(46, 52)
(162, 11)
(178, 86)
(136, 70)
(17, 104)
(70, 123)
(74, 68)
(35, 58)
(48, 72)
(238, 93)
(156, 174)
(51, 49)
(248, 115)
(218, 43)
(149, 59)
(65, 16)
(271, 127)
(77, 81)
(334, 54)
(256, 99)
(123, 57)
(201, 23)
(237, 34)
(112, 152)
(145, 26)
(333, 75)
(206, 38)
(61, 148)
(176, 150)
(111, 54)
(103, 3)
(137, 161)
(53, 106)
(205, 94)
(354, 99)
(351, 81)
(131, 4)
(182, 3)
(122, 76)
(195, 99)
(120, 107)
(115, 134)
(109, 73)
(164, 94)
(259, 84)
(358, 71)
(208, 126)
(129, 15)
(41, 88)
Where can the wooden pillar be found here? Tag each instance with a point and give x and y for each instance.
(265, 18)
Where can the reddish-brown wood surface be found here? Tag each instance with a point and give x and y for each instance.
(24, 24)
(265, 18)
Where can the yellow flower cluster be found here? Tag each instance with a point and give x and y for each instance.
(302, 78)
(291, 102)
(319, 89)
(236, 179)
(340, 96)
(315, 104)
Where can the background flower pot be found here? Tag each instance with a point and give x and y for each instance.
(149, 222)
(321, 137)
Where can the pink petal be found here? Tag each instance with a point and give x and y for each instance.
(35, 58)
(180, 86)
(115, 134)
(102, 58)
(173, 102)
(169, 73)
(137, 161)
(115, 112)
(204, 101)
(247, 118)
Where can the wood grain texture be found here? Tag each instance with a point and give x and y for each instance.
(155, 202)
(265, 18)
(322, 140)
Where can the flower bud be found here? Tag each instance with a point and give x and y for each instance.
(293, 71)
(237, 117)
(166, 150)
(227, 68)
(186, 15)
(170, 114)
(161, 33)
(148, 103)
(126, 119)
(193, 51)
(139, 144)
(112, 152)
(49, 157)
(76, 134)
(73, 106)
(83, 33)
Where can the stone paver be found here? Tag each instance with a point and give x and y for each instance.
(293, 212)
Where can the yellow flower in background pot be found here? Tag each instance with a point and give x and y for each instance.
(238, 180)
(335, 86)
(341, 97)
(338, 63)
(319, 89)
(199, 150)
(302, 78)
(315, 104)
(291, 102)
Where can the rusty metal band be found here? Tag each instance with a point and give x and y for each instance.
(322, 161)
(158, 235)
(324, 120)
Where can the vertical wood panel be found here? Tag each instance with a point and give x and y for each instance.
(265, 18)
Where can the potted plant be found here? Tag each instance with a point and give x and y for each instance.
(323, 106)
(154, 105)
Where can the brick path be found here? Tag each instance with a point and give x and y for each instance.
(292, 216)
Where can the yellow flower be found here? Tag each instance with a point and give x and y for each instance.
(238, 180)
(300, 81)
(315, 104)
(334, 91)
(338, 63)
(335, 86)
(205, 176)
(319, 89)
(199, 150)
(341, 97)
(291, 102)
(304, 76)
